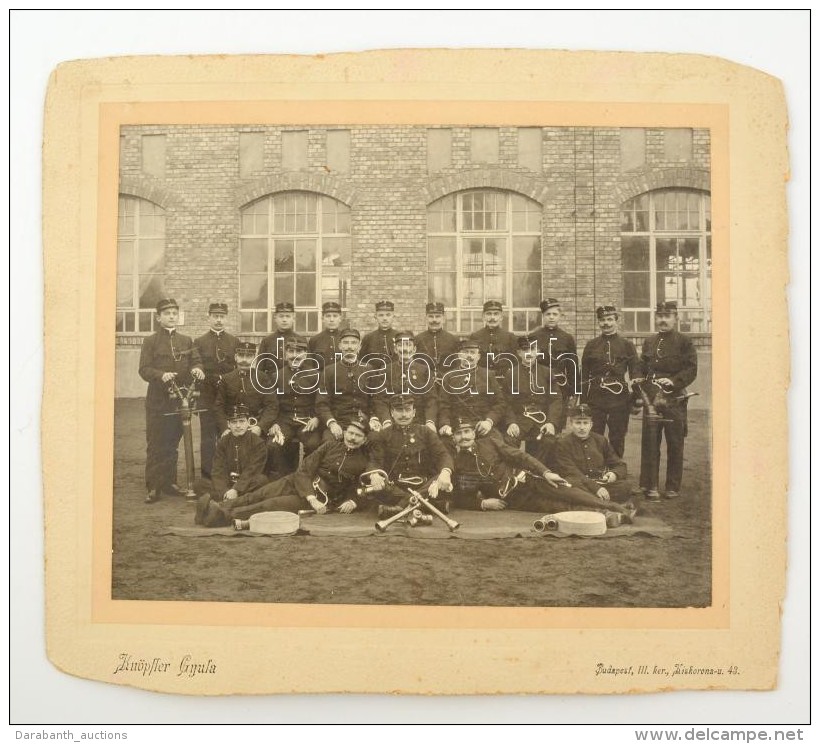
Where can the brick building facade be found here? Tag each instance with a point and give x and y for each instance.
(254, 215)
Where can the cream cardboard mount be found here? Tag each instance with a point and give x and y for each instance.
(223, 648)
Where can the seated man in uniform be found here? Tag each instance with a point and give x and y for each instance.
(296, 423)
(343, 395)
(239, 461)
(410, 454)
(587, 460)
(535, 404)
(470, 392)
(325, 480)
(488, 476)
(409, 375)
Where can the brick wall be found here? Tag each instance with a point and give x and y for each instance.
(580, 188)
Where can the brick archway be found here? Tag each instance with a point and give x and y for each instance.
(487, 178)
(682, 178)
(291, 181)
(146, 187)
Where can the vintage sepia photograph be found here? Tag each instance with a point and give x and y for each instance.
(413, 364)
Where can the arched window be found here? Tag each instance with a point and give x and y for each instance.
(295, 247)
(485, 244)
(666, 249)
(140, 263)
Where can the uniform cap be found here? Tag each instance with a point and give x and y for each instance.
(469, 343)
(493, 305)
(384, 305)
(360, 422)
(667, 307)
(218, 307)
(284, 307)
(165, 303)
(404, 336)
(351, 332)
(602, 310)
(548, 303)
(239, 411)
(525, 343)
(400, 401)
(582, 410)
(462, 422)
(296, 342)
(246, 346)
(434, 307)
(331, 307)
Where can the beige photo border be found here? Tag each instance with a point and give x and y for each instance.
(452, 650)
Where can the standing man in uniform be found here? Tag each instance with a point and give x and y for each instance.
(560, 352)
(497, 345)
(326, 343)
(436, 343)
(166, 358)
(380, 341)
(669, 363)
(273, 345)
(216, 350)
(605, 363)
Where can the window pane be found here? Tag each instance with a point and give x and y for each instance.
(246, 323)
(253, 290)
(495, 254)
(495, 287)
(473, 255)
(151, 255)
(527, 253)
(305, 290)
(666, 254)
(305, 255)
(642, 322)
(335, 252)
(519, 320)
(283, 255)
(473, 290)
(125, 291)
(130, 322)
(145, 324)
(125, 256)
(335, 285)
(526, 289)
(627, 220)
(442, 288)
(119, 327)
(253, 255)
(441, 254)
(642, 221)
(283, 288)
(635, 253)
(151, 290)
(636, 289)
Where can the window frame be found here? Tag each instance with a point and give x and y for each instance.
(701, 315)
(137, 237)
(466, 319)
(308, 317)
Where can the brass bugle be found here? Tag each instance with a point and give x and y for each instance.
(385, 523)
(452, 525)
(547, 522)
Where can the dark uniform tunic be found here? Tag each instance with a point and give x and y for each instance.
(583, 461)
(562, 357)
(163, 352)
(379, 342)
(530, 390)
(486, 470)
(671, 355)
(239, 463)
(274, 344)
(325, 345)
(416, 378)
(236, 388)
(407, 452)
(496, 341)
(343, 394)
(439, 346)
(216, 350)
(479, 398)
(337, 469)
(296, 399)
(605, 363)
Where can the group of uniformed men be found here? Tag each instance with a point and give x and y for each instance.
(343, 422)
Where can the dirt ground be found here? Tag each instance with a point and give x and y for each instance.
(638, 571)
